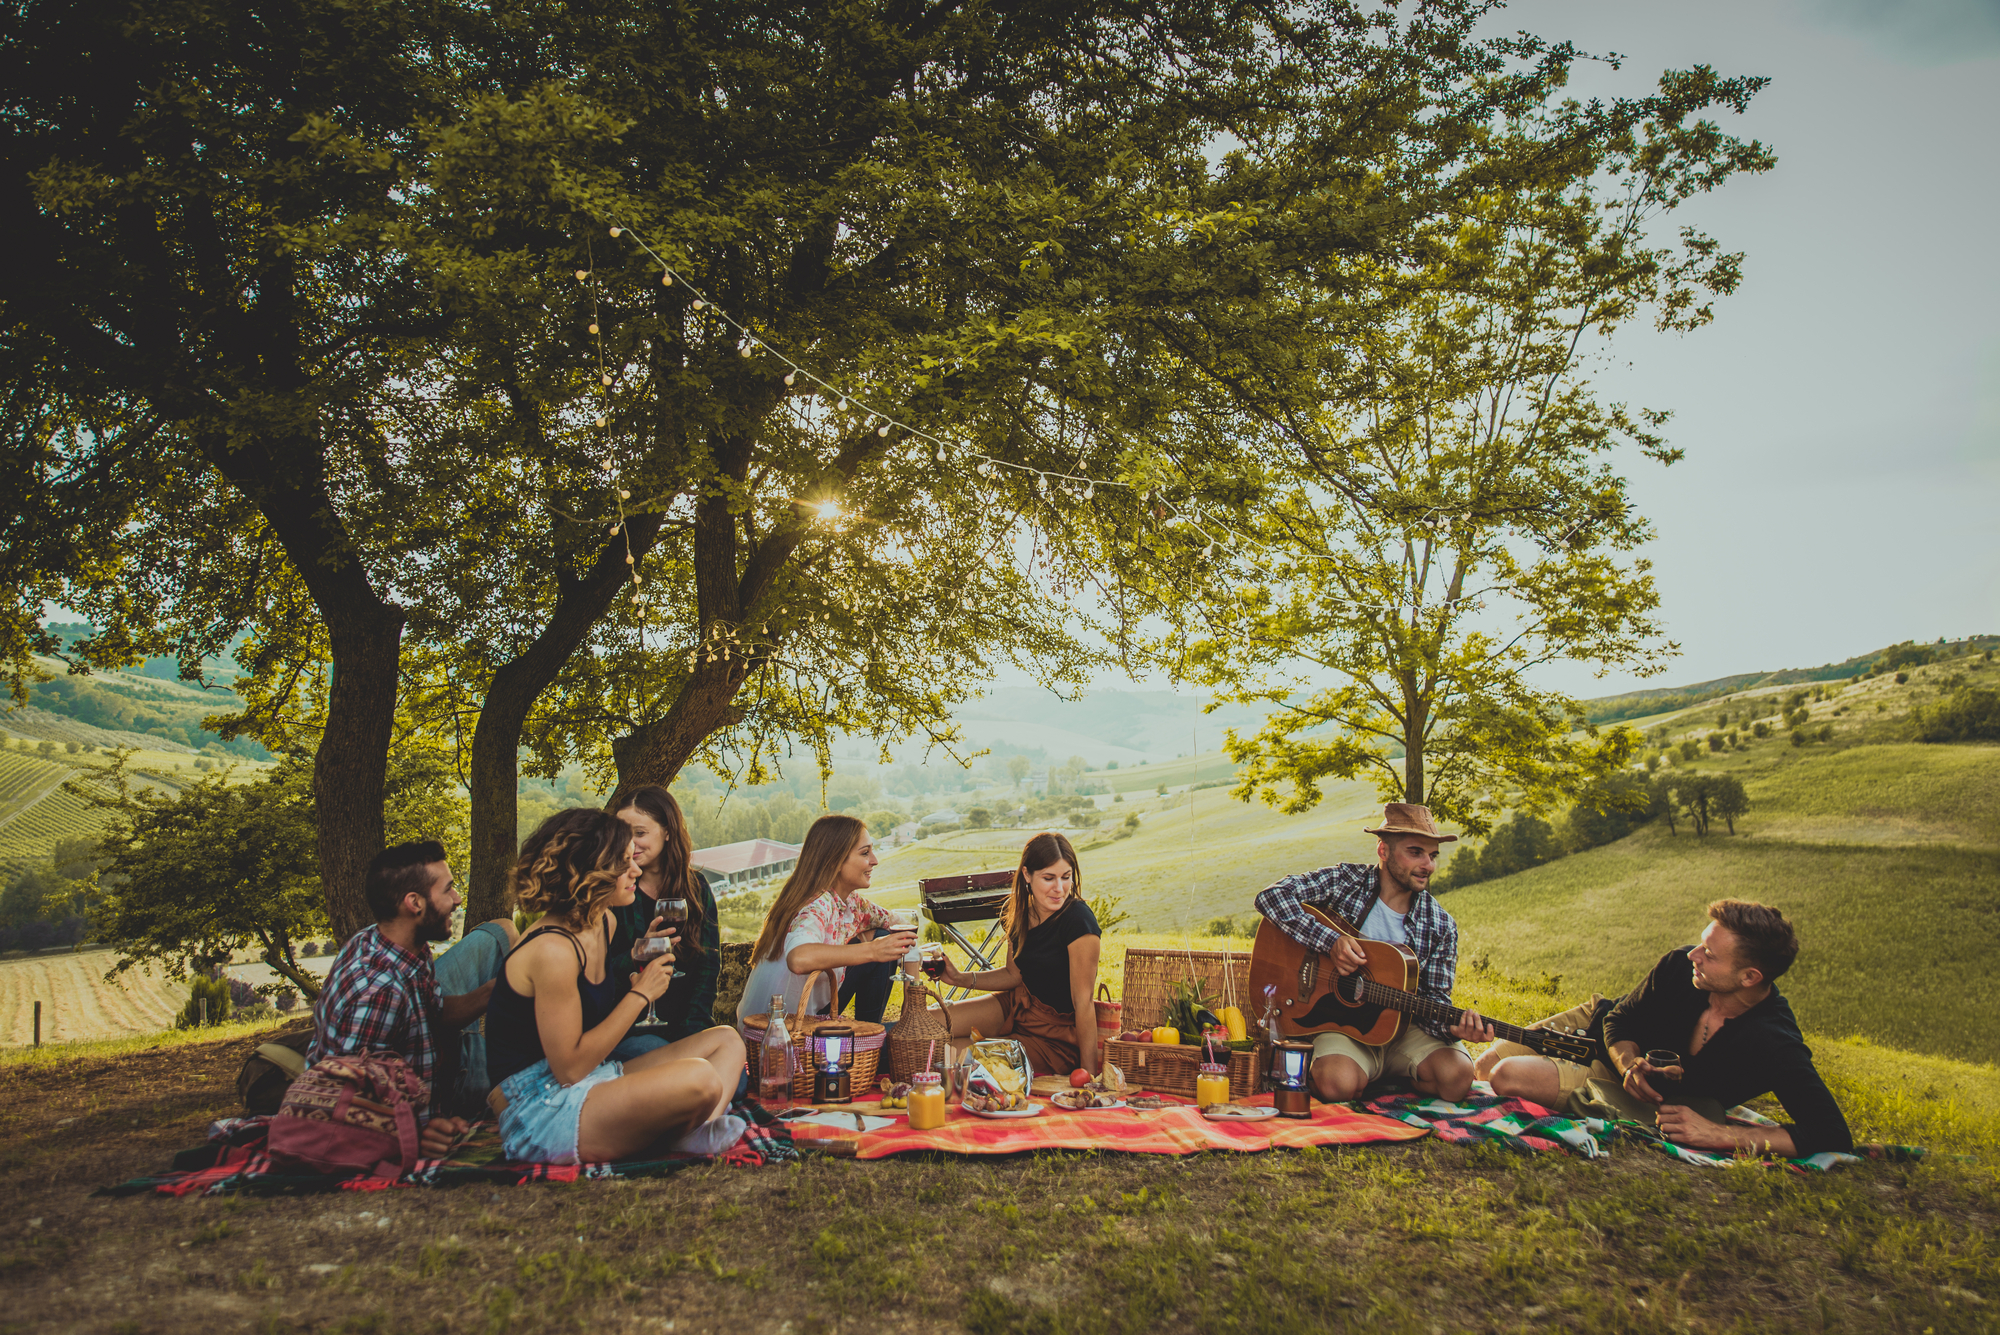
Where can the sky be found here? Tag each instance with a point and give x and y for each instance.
(1841, 416)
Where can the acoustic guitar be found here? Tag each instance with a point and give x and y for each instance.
(1369, 1004)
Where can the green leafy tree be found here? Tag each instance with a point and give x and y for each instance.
(196, 875)
(1728, 800)
(1448, 520)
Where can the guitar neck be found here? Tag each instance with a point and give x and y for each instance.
(1423, 1008)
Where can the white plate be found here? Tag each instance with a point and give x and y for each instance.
(1106, 1108)
(1253, 1115)
(1032, 1110)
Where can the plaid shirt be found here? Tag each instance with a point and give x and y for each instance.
(380, 997)
(1347, 890)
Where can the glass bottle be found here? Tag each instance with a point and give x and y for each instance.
(774, 1066)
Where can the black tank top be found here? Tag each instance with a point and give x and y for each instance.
(513, 1042)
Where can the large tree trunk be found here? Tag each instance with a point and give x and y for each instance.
(351, 765)
(516, 685)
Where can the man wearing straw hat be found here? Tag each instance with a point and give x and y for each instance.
(1390, 901)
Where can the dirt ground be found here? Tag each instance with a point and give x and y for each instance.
(1418, 1238)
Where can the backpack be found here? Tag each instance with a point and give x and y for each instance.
(270, 1069)
(350, 1115)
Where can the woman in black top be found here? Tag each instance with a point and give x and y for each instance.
(1043, 996)
(558, 1011)
(664, 851)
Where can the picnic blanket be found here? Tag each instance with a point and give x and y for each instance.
(234, 1160)
(1811, 1163)
(1176, 1129)
(1531, 1128)
(1488, 1118)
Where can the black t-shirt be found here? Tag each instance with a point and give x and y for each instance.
(1758, 1051)
(1044, 957)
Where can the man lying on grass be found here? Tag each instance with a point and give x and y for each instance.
(1717, 1002)
(383, 992)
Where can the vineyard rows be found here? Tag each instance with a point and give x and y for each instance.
(21, 777)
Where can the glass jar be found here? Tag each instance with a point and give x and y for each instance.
(1211, 1084)
(926, 1101)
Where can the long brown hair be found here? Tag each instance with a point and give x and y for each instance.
(830, 842)
(1044, 850)
(570, 866)
(676, 862)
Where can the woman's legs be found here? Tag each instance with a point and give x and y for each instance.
(663, 1095)
(985, 1014)
(868, 985)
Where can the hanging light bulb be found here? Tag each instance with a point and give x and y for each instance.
(607, 377)
(593, 326)
(624, 495)
(699, 304)
(744, 351)
(791, 377)
(882, 430)
(636, 581)
(635, 600)
(582, 274)
(1042, 483)
(666, 278)
(628, 558)
(842, 407)
(603, 421)
(616, 230)
(615, 528)
(1089, 490)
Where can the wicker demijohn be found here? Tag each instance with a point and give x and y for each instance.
(864, 1054)
(917, 1042)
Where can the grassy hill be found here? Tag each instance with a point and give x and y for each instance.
(1886, 852)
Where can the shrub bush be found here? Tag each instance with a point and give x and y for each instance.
(1760, 729)
(213, 991)
(1902, 677)
(1969, 715)
(1690, 749)
(1716, 742)
(1798, 738)
(1826, 732)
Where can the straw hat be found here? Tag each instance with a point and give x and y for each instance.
(1409, 818)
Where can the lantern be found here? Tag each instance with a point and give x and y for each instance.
(1291, 1083)
(832, 1080)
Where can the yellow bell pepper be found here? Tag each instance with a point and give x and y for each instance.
(1232, 1020)
(1166, 1033)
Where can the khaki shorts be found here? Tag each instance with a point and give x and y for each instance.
(1400, 1056)
(1570, 1077)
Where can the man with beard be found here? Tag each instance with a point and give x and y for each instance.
(382, 993)
(1390, 901)
(1712, 1015)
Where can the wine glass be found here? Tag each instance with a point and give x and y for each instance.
(648, 948)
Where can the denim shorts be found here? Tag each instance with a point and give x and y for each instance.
(542, 1119)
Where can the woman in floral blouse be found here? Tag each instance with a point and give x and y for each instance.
(821, 921)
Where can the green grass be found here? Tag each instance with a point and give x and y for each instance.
(1196, 856)
(56, 1054)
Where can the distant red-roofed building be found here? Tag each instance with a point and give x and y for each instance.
(747, 861)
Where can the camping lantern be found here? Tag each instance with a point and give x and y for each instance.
(1291, 1092)
(832, 1081)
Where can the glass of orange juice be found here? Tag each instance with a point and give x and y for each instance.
(1211, 1084)
(926, 1101)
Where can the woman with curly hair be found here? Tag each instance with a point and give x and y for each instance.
(557, 1012)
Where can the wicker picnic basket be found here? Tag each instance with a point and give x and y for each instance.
(863, 1052)
(1170, 1068)
(917, 1041)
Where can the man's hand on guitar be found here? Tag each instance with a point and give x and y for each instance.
(1348, 956)
(1471, 1029)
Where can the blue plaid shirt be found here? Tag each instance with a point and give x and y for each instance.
(380, 997)
(1346, 891)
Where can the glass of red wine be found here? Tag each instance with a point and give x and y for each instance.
(932, 961)
(645, 949)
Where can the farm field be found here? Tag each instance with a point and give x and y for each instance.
(77, 1004)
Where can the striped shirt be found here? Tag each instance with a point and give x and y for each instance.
(1347, 890)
